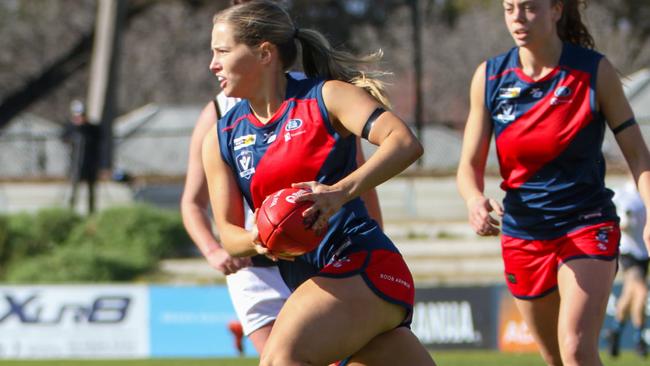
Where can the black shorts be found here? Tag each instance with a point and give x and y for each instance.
(629, 262)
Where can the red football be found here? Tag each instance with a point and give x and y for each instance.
(281, 226)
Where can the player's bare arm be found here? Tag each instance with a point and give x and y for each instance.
(195, 201)
(471, 168)
(616, 109)
(349, 108)
(227, 204)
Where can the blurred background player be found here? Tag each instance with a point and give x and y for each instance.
(634, 264)
(363, 293)
(84, 140)
(548, 101)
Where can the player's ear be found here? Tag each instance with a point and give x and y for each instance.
(265, 51)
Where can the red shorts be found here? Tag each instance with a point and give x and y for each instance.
(531, 265)
(384, 271)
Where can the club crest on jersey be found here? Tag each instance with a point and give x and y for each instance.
(245, 164)
(507, 113)
(509, 93)
(293, 124)
(563, 94)
(602, 236)
(244, 141)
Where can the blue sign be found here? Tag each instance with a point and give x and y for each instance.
(192, 322)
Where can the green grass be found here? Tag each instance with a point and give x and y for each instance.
(443, 358)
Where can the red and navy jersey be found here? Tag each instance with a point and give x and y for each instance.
(298, 144)
(549, 136)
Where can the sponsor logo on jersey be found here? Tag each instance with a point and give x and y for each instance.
(591, 215)
(509, 93)
(397, 280)
(346, 243)
(563, 94)
(288, 135)
(339, 263)
(244, 141)
(293, 124)
(507, 113)
(269, 137)
(536, 93)
(245, 164)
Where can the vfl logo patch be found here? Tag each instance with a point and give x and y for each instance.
(245, 164)
(511, 278)
(509, 93)
(244, 141)
(293, 124)
(507, 113)
(562, 95)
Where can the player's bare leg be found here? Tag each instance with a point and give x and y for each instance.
(585, 285)
(381, 350)
(313, 327)
(541, 317)
(259, 337)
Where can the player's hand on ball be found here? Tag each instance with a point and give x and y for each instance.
(327, 201)
(482, 222)
(281, 224)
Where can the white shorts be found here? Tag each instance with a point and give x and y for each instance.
(257, 294)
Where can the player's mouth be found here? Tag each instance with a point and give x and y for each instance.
(222, 81)
(520, 33)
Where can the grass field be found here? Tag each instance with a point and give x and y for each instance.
(448, 358)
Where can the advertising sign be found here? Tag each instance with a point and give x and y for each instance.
(455, 317)
(514, 335)
(192, 322)
(73, 322)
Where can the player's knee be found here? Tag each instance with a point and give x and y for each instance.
(552, 359)
(577, 351)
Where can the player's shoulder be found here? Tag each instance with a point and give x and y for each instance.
(503, 56)
(581, 58)
(299, 86)
(580, 52)
(235, 113)
(498, 65)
